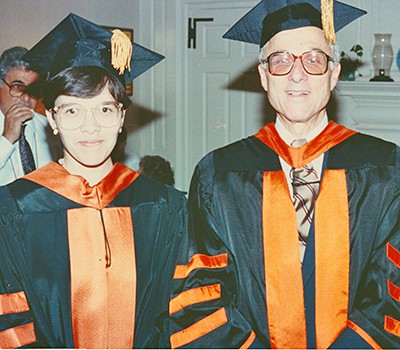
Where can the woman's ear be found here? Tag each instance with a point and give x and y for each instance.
(123, 118)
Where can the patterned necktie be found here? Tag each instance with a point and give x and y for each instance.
(28, 163)
(305, 182)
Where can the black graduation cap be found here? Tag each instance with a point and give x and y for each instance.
(270, 17)
(76, 42)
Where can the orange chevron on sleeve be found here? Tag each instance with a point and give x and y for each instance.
(200, 261)
(13, 303)
(18, 336)
(249, 341)
(194, 296)
(363, 334)
(198, 329)
(393, 254)
(392, 326)
(393, 290)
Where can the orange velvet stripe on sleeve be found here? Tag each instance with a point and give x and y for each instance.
(18, 336)
(392, 326)
(200, 261)
(394, 291)
(194, 296)
(393, 254)
(249, 341)
(13, 303)
(200, 328)
(363, 334)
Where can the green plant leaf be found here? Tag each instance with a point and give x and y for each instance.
(357, 49)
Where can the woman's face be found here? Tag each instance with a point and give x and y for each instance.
(88, 127)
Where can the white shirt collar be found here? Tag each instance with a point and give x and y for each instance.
(288, 137)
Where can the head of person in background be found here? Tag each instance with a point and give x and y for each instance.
(157, 168)
(20, 89)
(85, 97)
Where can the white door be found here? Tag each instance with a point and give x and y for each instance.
(222, 97)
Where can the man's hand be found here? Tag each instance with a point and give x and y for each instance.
(14, 118)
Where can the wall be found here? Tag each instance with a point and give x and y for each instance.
(24, 22)
(382, 17)
(371, 107)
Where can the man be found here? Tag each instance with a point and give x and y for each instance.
(19, 94)
(267, 265)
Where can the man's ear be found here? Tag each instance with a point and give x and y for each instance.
(51, 120)
(263, 76)
(335, 75)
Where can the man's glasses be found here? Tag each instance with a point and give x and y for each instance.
(17, 89)
(314, 62)
(72, 116)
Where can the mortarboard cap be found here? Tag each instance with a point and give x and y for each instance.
(76, 42)
(270, 17)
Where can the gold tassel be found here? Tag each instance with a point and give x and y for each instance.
(121, 51)
(328, 21)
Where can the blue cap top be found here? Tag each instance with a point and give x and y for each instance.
(270, 17)
(76, 42)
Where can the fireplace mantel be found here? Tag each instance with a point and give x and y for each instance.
(370, 91)
(370, 107)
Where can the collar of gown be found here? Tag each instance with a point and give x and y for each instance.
(298, 157)
(76, 188)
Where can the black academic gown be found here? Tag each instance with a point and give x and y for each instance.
(85, 266)
(240, 283)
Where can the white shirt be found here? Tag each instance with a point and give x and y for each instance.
(316, 163)
(289, 138)
(42, 142)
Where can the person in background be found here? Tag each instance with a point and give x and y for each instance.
(157, 168)
(24, 143)
(294, 232)
(87, 247)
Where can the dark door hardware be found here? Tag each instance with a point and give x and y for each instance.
(192, 25)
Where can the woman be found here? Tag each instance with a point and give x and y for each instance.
(87, 247)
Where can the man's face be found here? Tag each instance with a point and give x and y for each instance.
(299, 97)
(21, 76)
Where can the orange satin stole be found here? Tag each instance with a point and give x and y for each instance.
(284, 284)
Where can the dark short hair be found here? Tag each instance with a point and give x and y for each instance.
(84, 82)
(12, 58)
(157, 168)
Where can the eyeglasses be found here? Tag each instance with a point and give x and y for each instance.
(17, 89)
(72, 116)
(314, 62)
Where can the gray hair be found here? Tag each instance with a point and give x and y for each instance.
(10, 59)
(335, 56)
